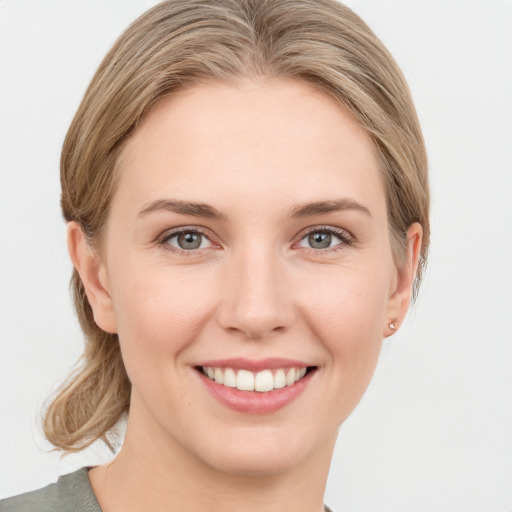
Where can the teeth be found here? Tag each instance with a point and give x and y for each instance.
(229, 378)
(244, 380)
(279, 379)
(264, 381)
(290, 377)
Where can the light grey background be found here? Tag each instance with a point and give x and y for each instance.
(434, 431)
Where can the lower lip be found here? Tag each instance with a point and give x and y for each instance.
(255, 402)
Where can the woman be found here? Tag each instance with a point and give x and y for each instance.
(245, 186)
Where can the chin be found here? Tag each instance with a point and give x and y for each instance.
(264, 452)
(257, 464)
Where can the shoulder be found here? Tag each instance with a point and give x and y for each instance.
(71, 493)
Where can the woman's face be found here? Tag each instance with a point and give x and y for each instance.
(248, 239)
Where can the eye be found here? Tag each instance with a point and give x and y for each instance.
(325, 238)
(186, 240)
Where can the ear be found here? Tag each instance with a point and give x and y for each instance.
(94, 277)
(401, 291)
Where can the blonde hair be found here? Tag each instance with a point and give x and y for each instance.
(183, 42)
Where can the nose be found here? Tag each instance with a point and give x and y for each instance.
(256, 299)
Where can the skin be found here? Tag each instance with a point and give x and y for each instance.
(255, 289)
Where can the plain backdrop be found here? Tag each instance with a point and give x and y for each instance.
(434, 431)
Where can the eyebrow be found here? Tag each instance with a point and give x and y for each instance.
(322, 207)
(183, 208)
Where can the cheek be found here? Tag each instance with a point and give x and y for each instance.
(346, 312)
(159, 312)
(348, 304)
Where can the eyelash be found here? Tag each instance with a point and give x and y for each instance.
(346, 239)
(163, 241)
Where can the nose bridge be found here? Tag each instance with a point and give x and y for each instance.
(256, 300)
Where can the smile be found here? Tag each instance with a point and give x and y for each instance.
(255, 387)
(262, 381)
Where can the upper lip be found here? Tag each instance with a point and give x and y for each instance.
(255, 365)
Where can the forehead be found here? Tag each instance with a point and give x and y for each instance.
(217, 140)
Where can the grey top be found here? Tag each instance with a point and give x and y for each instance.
(71, 493)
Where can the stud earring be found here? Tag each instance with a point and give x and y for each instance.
(392, 324)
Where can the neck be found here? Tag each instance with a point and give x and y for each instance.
(151, 473)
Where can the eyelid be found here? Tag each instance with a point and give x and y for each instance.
(347, 238)
(171, 233)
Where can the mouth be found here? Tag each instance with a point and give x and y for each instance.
(255, 387)
(262, 381)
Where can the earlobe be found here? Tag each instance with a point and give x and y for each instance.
(400, 297)
(94, 277)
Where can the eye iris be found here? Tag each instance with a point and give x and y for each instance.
(189, 241)
(319, 240)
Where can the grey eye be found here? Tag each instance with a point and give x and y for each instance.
(188, 240)
(319, 240)
(322, 239)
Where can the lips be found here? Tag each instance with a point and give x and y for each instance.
(255, 387)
